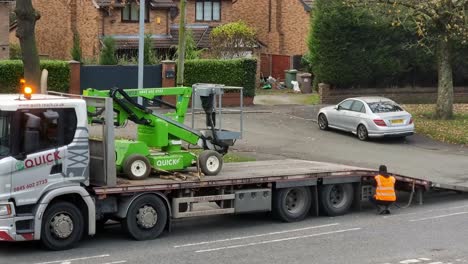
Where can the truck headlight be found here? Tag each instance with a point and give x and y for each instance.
(5, 209)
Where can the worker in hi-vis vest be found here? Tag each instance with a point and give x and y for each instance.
(384, 190)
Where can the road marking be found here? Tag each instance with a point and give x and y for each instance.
(410, 261)
(424, 212)
(438, 262)
(276, 240)
(70, 260)
(436, 217)
(425, 259)
(253, 236)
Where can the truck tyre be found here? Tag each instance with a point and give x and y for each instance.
(137, 167)
(336, 199)
(210, 162)
(146, 218)
(62, 226)
(292, 204)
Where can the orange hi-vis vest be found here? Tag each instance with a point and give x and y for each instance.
(385, 190)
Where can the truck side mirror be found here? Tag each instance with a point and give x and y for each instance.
(20, 156)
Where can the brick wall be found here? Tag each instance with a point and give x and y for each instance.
(88, 20)
(4, 29)
(295, 23)
(420, 95)
(255, 14)
(53, 31)
(285, 32)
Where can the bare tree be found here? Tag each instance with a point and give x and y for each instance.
(27, 16)
(438, 24)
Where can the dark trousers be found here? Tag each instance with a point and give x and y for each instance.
(378, 203)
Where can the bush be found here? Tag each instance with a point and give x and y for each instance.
(76, 49)
(11, 71)
(15, 52)
(149, 54)
(352, 48)
(191, 50)
(231, 40)
(107, 56)
(237, 72)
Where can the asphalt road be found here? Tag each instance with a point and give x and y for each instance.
(433, 233)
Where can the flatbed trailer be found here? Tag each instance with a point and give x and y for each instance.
(58, 195)
(328, 188)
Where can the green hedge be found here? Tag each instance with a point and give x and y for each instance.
(236, 72)
(352, 48)
(11, 71)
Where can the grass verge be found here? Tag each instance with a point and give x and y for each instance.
(453, 131)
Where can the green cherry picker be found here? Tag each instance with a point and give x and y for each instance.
(158, 144)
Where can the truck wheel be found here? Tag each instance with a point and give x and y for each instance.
(336, 199)
(62, 227)
(137, 167)
(146, 218)
(210, 162)
(292, 204)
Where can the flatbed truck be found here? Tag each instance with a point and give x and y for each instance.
(58, 195)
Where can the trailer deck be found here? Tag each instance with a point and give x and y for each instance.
(280, 172)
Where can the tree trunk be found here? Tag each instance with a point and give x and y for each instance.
(444, 109)
(27, 16)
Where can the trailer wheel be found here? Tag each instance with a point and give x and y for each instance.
(146, 218)
(292, 204)
(336, 199)
(210, 162)
(137, 167)
(62, 227)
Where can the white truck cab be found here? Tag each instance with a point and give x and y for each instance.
(44, 158)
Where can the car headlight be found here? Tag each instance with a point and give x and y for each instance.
(5, 209)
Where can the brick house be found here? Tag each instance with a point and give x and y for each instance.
(283, 26)
(94, 19)
(5, 9)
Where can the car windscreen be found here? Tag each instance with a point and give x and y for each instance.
(384, 107)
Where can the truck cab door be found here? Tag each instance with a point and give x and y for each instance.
(40, 164)
(6, 166)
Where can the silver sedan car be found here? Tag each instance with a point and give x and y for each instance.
(367, 117)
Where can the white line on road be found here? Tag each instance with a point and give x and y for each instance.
(408, 261)
(116, 262)
(276, 240)
(427, 211)
(253, 236)
(436, 217)
(70, 260)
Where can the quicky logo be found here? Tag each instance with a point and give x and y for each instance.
(39, 160)
(167, 162)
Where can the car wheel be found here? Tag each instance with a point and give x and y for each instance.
(362, 133)
(323, 122)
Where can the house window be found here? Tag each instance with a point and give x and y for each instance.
(131, 13)
(208, 10)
